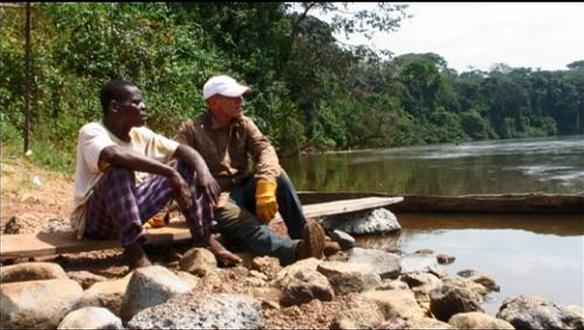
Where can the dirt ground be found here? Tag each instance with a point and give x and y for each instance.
(28, 188)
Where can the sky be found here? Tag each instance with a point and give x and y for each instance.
(477, 35)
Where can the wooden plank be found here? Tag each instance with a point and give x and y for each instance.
(347, 206)
(42, 244)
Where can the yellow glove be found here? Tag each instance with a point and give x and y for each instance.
(266, 204)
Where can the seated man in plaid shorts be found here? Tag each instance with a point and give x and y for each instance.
(123, 177)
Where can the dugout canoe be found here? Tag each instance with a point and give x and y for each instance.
(532, 203)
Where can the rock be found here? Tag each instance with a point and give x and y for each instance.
(378, 221)
(445, 259)
(578, 310)
(466, 272)
(358, 314)
(31, 271)
(476, 320)
(535, 312)
(91, 318)
(395, 303)
(448, 300)
(346, 278)
(487, 281)
(35, 222)
(345, 240)
(267, 295)
(467, 284)
(189, 311)
(305, 286)
(415, 323)
(85, 279)
(417, 263)
(424, 251)
(256, 274)
(267, 265)
(287, 272)
(255, 282)
(424, 281)
(198, 261)
(37, 304)
(150, 286)
(189, 279)
(386, 265)
(107, 294)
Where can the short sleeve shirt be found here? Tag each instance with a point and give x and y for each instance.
(93, 138)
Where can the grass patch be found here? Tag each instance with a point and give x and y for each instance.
(44, 154)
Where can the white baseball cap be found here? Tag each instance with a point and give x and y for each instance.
(223, 85)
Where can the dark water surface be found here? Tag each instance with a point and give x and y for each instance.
(525, 254)
(553, 165)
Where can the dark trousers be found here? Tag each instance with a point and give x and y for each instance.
(237, 220)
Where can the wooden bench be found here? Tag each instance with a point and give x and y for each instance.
(43, 244)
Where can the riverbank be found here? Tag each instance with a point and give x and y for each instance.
(344, 290)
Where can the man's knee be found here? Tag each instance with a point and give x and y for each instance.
(283, 180)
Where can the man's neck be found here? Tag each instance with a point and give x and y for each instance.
(123, 133)
(219, 122)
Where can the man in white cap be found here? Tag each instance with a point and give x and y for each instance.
(224, 137)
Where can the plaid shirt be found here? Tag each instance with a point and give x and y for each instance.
(225, 150)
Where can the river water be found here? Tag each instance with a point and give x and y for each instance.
(526, 254)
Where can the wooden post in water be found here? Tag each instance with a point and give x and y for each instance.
(28, 77)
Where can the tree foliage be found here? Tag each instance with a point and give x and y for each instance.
(309, 90)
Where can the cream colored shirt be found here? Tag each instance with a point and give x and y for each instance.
(93, 138)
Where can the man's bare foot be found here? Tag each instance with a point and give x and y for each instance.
(223, 255)
(136, 256)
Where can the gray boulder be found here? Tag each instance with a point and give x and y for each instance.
(91, 318)
(346, 278)
(150, 286)
(448, 300)
(196, 311)
(378, 221)
(418, 263)
(345, 240)
(37, 304)
(535, 312)
(382, 263)
(305, 286)
(31, 271)
(107, 294)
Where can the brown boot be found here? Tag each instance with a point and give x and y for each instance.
(312, 244)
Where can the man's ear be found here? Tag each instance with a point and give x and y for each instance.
(114, 106)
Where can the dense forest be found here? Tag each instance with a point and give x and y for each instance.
(310, 92)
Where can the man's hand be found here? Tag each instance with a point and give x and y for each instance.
(182, 190)
(266, 204)
(209, 185)
(204, 179)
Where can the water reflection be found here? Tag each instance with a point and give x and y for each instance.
(552, 165)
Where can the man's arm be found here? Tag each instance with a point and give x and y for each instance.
(203, 175)
(267, 165)
(114, 155)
